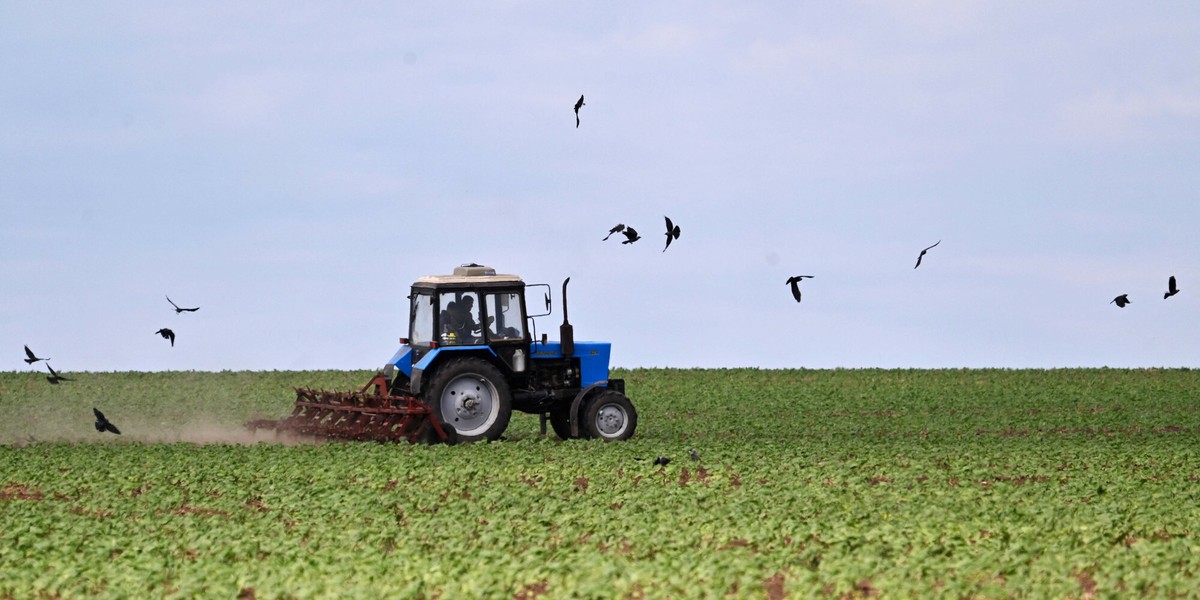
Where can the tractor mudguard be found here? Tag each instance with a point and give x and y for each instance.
(578, 401)
(431, 357)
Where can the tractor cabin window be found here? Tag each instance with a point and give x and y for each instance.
(505, 321)
(421, 317)
(460, 319)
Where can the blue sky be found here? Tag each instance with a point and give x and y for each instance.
(292, 167)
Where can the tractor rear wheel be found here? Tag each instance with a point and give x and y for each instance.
(609, 416)
(471, 396)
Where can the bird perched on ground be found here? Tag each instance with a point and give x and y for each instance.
(631, 235)
(794, 281)
(1171, 291)
(922, 254)
(695, 455)
(619, 227)
(179, 310)
(1121, 300)
(102, 424)
(672, 232)
(54, 377)
(662, 461)
(32, 358)
(578, 105)
(167, 335)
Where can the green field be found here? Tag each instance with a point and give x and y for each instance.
(826, 483)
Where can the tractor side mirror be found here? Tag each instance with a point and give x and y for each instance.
(547, 296)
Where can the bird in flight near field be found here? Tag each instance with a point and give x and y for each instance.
(619, 227)
(578, 105)
(179, 310)
(167, 335)
(794, 281)
(922, 254)
(1121, 300)
(631, 235)
(102, 424)
(32, 358)
(662, 461)
(1171, 291)
(672, 232)
(54, 377)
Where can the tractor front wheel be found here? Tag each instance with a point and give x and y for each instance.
(470, 395)
(609, 416)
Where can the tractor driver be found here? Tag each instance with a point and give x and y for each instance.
(463, 320)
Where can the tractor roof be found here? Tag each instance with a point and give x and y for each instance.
(470, 274)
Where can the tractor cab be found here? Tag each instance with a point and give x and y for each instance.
(471, 308)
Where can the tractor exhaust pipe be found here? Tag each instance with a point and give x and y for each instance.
(565, 332)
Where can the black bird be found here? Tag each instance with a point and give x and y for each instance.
(32, 359)
(619, 227)
(167, 335)
(1171, 291)
(631, 235)
(672, 232)
(54, 377)
(1121, 300)
(794, 281)
(662, 461)
(923, 254)
(695, 455)
(578, 105)
(102, 423)
(179, 310)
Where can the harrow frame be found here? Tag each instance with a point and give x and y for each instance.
(378, 416)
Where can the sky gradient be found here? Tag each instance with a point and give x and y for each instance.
(292, 167)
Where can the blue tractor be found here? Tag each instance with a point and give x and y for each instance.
(470, 356)
(469, 360)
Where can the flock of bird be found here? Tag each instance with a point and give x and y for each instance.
(672, 233)
(631, 234)
(1123, 299)
(102, 423)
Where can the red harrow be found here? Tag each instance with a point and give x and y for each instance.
(377, 416)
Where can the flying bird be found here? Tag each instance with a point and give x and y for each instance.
(179, 310)
(1121, 300)
(102, 424)
(1171, 291)
(167, 335)
(672, 232)
(578, 105)
(619, 227)
(922, 254)
(32, 358)
(54, 377)
(631, 235)
(794, 281)
(662, 461)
